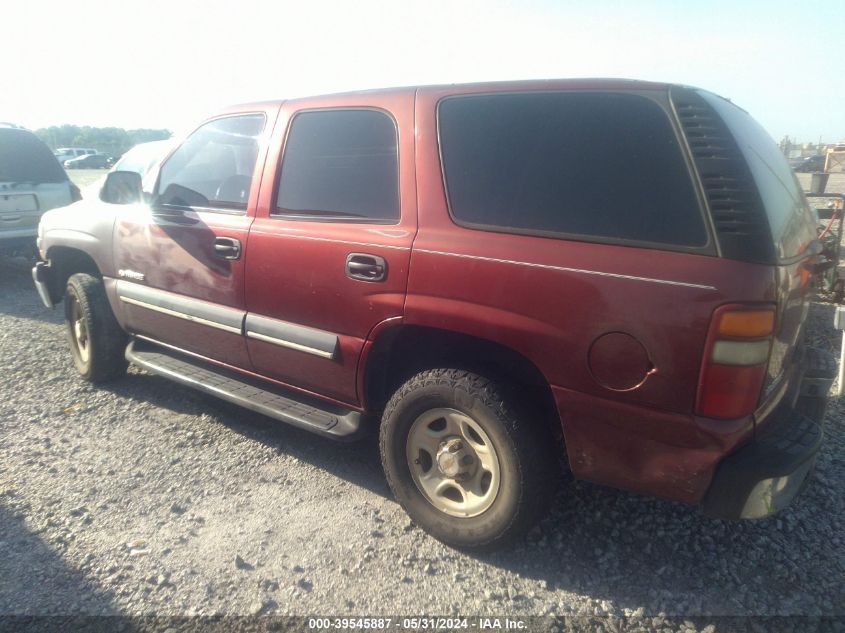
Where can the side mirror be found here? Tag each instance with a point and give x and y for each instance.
(122, 187)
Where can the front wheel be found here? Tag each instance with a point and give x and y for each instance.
(466, 463)
(97, 342)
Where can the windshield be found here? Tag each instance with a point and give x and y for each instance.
(25, 158)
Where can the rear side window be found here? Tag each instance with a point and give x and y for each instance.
(213, 168)
(341, 164)
(25, 158)
(604, 166)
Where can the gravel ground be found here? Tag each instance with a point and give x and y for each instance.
(143, 497)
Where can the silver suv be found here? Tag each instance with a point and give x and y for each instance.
(31, 182)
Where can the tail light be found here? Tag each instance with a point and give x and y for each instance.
(735, 359)
(75, 193)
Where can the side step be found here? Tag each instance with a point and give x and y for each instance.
(292, 408)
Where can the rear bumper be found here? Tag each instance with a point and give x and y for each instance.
(766, 474)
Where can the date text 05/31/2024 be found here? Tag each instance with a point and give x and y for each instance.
(418, 623)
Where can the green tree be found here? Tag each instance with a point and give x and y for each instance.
(108, 140)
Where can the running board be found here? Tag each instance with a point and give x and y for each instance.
(298, 410)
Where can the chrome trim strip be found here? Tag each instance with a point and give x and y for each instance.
(180, 315)
(298, 337)
(282, 343)
(189, 308)
(569, 270)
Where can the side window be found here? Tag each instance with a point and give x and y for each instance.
(213, 168)
(606, 166)
(342, 165)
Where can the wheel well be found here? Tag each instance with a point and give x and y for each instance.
(64, 262)
(406, 350)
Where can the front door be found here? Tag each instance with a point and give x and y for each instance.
(180, 260)
(328, 253)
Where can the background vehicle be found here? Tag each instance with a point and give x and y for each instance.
(66, 153)
(487, 274)
(810, 163)
(31, 182)
(89, 161)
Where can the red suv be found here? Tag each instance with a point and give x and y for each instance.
(494, 276)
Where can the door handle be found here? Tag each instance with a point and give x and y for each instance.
(366, 267)
(227, 248)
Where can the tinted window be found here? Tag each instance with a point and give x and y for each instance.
(341, 164)
(214, 166)
(594, 164)
(25, 158)
(790, 219)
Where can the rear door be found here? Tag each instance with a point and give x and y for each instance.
(179, 262)
(328, 253)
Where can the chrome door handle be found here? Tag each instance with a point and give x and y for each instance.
(227, 248)
(365, 267)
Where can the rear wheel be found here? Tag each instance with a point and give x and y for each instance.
(464, 460)
(97, 342)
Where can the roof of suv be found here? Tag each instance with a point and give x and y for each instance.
(493, 86)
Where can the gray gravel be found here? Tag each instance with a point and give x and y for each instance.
(145, 497)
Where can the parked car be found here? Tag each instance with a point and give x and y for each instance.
(811, 163)
(488, 275)
(90, 161)
(66, 153)
(31, 182)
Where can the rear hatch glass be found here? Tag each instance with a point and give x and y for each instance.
(24, 158)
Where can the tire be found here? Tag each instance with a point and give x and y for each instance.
(97, 343)
(512, 451)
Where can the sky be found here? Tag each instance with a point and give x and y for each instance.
(169, 64)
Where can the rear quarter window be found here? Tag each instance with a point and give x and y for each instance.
(602, 166)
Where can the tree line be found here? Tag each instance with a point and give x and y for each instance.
(108, 140)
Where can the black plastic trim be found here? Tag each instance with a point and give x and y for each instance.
(42, 276)
(291, 335)
(733, 200)
(191, 309)
(785, 447)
